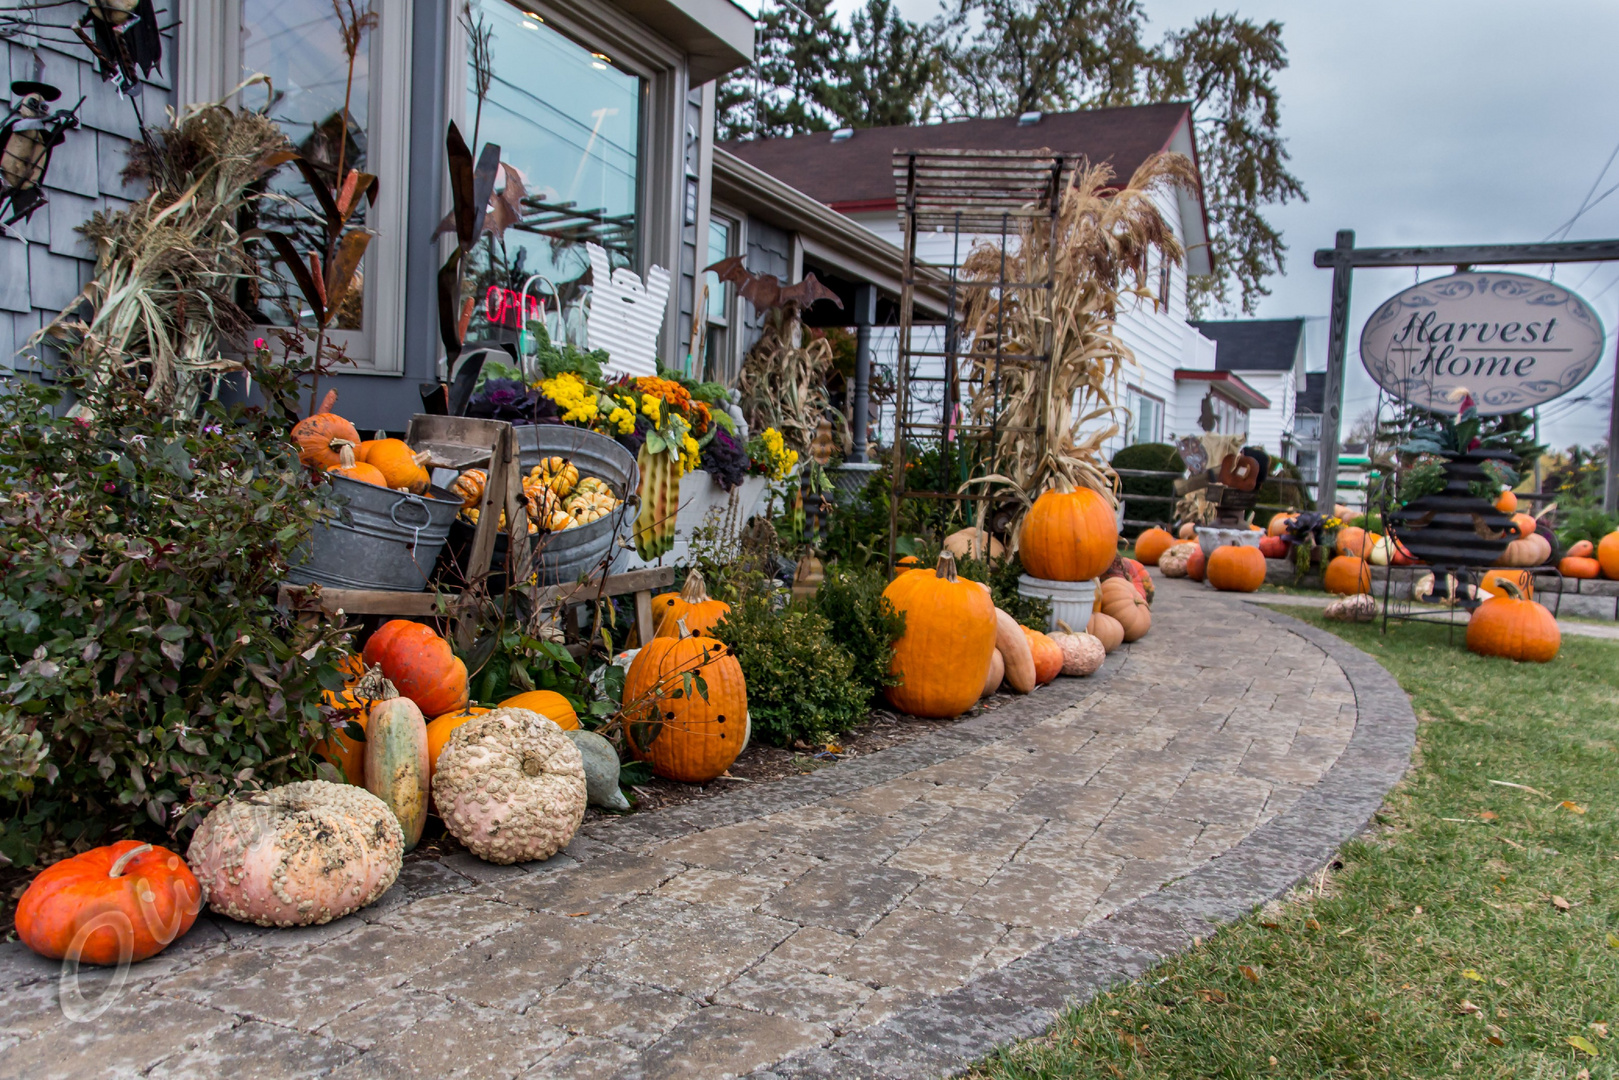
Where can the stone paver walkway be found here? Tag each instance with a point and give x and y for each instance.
(897, 915)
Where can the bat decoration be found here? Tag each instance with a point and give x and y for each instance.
(765, 291)
(123, 35)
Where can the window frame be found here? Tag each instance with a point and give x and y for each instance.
(1132, 438)
(725, 364)
(209, 70)
(660, 199)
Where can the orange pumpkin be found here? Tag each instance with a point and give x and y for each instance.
(420, 664)
(1273, 547)
(943, 658)
(1069, 535)
(1356, 541)
(1347, 575)
(1507, 503)
(1236, 569)
(1576, 567)
(1608, 555)
(1582, 549)
(116, 904)
(1492, 582)
(1524, 523)
(1047, 656)
(549, 704)
(347, 755)
(686, 736)
(692, 604)
(315, 433)
(353, 469)
(1279, 523)
(1106, 629)
(400, 466)
(1118, 598)
(1196, 564)
(1515, 628)
(1151, 544)
(439, 730)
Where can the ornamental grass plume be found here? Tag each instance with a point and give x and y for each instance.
(1104, 236)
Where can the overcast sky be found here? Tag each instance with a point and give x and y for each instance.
(1438, 122)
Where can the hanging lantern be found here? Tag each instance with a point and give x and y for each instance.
(123, 36)
(28, 134)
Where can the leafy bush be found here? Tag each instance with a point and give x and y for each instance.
(139, 637)
(1586, 524)
(801, 683)
(1154, 457)
(864, 622)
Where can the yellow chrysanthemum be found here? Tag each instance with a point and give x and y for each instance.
(624, 419)
(652, 407)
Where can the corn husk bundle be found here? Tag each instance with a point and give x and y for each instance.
(782, 384)
(1099, 257)
(168, 266)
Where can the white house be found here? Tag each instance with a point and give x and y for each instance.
(1267, 356)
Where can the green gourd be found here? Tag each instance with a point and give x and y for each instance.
(396, 763)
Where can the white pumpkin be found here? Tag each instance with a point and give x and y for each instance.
(1361, 607)
(1082, 653)
(297, 855)
(1172, 563)
(1423, 591)
(510, 786)
(1382, 552)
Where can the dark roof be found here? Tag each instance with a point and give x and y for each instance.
(1315, 391)
(857, 173)
(1254, 344)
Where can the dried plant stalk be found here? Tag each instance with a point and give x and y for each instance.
(167, 267)
(783, 381)
(1103, 237)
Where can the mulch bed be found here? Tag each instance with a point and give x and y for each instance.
(759, 764)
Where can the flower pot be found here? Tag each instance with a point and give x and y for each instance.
(1454, 527)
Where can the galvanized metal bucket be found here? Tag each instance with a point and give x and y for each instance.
(562, 557)
(381, 539)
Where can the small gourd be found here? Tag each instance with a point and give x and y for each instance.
(1047, 656)
(1082, 654)
(469, 486)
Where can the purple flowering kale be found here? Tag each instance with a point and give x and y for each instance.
(725, 460)
(512, 401)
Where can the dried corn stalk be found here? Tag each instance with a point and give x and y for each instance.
(168, 266)
(1103, 237)
(783, 381)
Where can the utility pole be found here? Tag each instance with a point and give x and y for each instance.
(1332, 397)
(1610, 489)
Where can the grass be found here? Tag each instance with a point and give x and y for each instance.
(1474, 931)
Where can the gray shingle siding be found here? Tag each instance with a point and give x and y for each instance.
(47, 262)
(770, 251)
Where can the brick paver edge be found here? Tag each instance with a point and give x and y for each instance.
(947, 1035)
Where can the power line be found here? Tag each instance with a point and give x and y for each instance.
(1586, 203)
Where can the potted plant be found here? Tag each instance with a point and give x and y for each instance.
(1448, 515)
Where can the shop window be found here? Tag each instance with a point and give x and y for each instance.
(569, 121)
(717, 353)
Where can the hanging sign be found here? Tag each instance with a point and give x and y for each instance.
(625, 315)
(1510, 341)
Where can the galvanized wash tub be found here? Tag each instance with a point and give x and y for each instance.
(563, 556)
(380, 539)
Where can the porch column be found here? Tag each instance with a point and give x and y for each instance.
(865, 314)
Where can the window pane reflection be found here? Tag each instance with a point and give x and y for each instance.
(570, 123)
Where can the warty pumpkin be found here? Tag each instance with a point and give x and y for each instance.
(1347, 575)
(1513, 627)
(420, 664)
(1047, 656)
(1608, 555)
(400, 466)
(685, 735)
(315, 434)
(1151, 544)
(1069, 535)
(1576, 567)
(1236, 569)
(1172, 563)
(511, 787)
(549, 704)
(439, 730)
(1118, 598)
(1106, 629)
(122, 903)
(1013, 645)
(691, 605)
(1082, 653)
(943, 657)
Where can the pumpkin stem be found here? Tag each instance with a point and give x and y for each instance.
(947, 567)
(345, 453)
(373, 687)
(695, 590)
(126, 858)
(1064, 627)
(1509, 587)
(422, 457)
(680, 625)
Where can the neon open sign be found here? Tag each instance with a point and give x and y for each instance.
(510, 309)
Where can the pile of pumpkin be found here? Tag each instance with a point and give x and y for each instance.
(1229, 567)
(558, 497)
(329, 444)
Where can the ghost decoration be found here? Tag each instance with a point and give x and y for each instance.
(626, 315)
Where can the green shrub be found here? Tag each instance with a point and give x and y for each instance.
(147, 672)
(863, 622)
(801, 683)
(1156, 457)
(1585, 524)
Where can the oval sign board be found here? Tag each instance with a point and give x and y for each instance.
(1510, 341)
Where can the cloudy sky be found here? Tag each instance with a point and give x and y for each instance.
(1439, 122)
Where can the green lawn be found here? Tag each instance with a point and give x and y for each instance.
(1474, 932)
